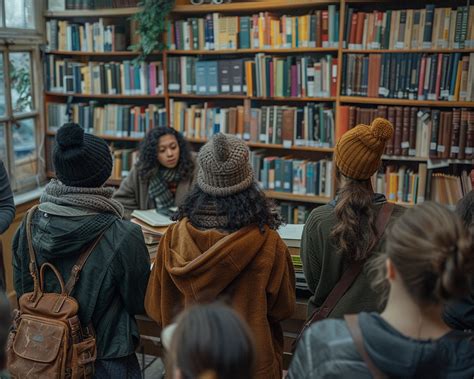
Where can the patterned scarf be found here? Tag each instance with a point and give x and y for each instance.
(158, 188)
(95, 200)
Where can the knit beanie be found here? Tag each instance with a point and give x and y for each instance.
(224, 167)
(81, 159)
(359, 150)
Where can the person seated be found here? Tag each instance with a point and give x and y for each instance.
(75, 210)
(163, 175)
(427, 262)
(460, 314)
(225, 244)
(210, 342)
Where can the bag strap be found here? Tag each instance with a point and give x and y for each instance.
(81, 261)
(354, 328)
(31, 251)
(353, 271)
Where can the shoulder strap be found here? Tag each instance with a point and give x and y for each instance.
(81, 261)
(354, 328)
(31, 251)
(353, 271)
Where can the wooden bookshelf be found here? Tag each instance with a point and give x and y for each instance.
(298, 50)
(102, 96)
(295, 197)
(107, 137)
(98, 54)
(414, 103)
(112, 12)
(243, 97)
(382, 51)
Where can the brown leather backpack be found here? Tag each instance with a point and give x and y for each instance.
(47, 339)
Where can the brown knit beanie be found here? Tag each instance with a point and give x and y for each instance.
(224, 167)
(358, 152)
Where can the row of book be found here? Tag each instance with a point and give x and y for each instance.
(264, 76)
(431, 27)
(124, 159)
(62, 5)
(294, 214)
(100, 36)
(125, 78)
(109, 120)
(447, 77)
(404, 185)
(290, 175)
(264, 30)
(420, 132)
(312, 125)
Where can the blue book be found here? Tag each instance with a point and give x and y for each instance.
(212, 78)
(244, 32)
(201, 82)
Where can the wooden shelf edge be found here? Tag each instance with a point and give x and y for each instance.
(386, 101)
(251, 6)
(107, 12)
(384, 51)
(106, 137)
(102, 96)
(121, 53)
(245, 97)
(425, 159)
(296, 197)
(255, 51)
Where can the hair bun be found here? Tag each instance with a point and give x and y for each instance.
(221, 147)
(70, 135)
(382, 129)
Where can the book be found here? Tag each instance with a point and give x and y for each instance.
(152, 218)
(291, 234)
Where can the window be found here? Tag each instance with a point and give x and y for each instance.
(21, 131)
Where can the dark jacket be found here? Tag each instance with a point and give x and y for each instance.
(133, 192)
(7, 206)
(112, 285)
(323, 266)
(327, 351)
(460, 314)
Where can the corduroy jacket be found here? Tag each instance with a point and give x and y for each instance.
(250, 269)
(323, 266)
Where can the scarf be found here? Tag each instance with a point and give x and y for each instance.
(84, 200)
(158, 188)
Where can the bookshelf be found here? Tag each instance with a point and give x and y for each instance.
(299, 52)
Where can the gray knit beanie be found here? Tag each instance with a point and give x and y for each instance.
(224, 166)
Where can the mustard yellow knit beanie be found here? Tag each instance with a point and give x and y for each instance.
(359, 150)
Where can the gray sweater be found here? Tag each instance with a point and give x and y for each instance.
(7, 206)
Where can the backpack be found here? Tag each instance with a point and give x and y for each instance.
(47, 339)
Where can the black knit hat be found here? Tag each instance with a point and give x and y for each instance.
(81, 159)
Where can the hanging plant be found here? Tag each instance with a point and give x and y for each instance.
(151, 24)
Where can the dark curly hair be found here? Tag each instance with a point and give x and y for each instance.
(250, 206)
(148, 162)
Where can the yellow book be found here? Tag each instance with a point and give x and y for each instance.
(223, 36)
(445, 34)
(202, 42)
(249, 77)
(272, 33)
(261, 31)
(86, 83)
(457, 88)
(232, 32)
(393, 186)
(197, 125)
(301, 23)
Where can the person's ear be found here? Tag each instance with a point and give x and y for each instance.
(390, 269)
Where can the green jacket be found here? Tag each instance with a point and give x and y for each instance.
(111, 288)
(323, 266)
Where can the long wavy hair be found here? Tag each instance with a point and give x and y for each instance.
(148, 161)
(355, 232)
(250, 206)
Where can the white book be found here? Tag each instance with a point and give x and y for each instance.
(56, 5)
(151, 217)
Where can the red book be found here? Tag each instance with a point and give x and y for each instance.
(438, 76)
(352, 36)
(360, 28)
(325, 28)
(421, 77)
(334, 67)
(343, 121)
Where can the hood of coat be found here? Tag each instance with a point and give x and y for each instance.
(205, 262)
(400, 356)
(57, 236)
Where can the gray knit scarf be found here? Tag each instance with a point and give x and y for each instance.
(90, 200)
(158, 189)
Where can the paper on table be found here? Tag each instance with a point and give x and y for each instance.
(152, 218)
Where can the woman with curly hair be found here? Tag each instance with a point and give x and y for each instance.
(225, 244)
(163, 174)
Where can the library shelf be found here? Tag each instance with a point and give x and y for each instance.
(273, 146)
(245, 97)
(107, 137)
(296, 50)
(381, 51)
(296, 197)
(106, 12)
(98, 54)
(413, 103)
(425, 159)
(251, 6)
(102, 96)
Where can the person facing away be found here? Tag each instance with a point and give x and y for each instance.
(74, 210)
(163, 175)
(210, 342)
(225, 244)
(344, 230)
(460, 314)
(428, 259)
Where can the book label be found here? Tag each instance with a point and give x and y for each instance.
(405, 145)
(437, 163)
(384, 91)
(433, 146)
(468, 150)
(454, 149)
(236, 88)
(412, 152)
(440, 149)
(445, 94)
(287, 144)
(400, 45)
(247, 136)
